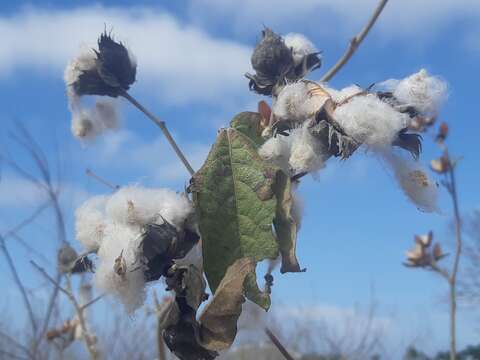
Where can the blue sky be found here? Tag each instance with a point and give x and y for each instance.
(191, 59)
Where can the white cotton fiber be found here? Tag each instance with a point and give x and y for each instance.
(106, 114)
(140, 206)
(276, 151)
(83, 62)
(424, 92)
(87, 124)
(414, 181)
(300, 46)
(129, 287)
(299, 101)
(306, 151)
(90, 222)
(370, 121)
(298, 152)
(339, 96)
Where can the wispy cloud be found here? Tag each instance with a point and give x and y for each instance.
(180, 62)
(400, 19)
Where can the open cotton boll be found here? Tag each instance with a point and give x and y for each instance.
(306, 151)
(130, 286)
(140, 206)
(424, 92)
(370, 121)
(298, 102)
(276, 151)
(339, 96)
(414, 181)
(90, 222)
(300, 46)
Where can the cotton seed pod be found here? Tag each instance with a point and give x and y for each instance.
(440, 165)
(442, 133)
(424, 240)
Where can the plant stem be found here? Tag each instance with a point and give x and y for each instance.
(355, 42)
(163, 127)
(278, 344)
(456, 262)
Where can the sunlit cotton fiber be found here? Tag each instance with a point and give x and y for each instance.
(300, 46)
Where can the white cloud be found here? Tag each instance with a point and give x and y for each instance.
(400, 19)
(179, 62)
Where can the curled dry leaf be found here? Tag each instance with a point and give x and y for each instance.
(285, 224)
(442, 133)
(219, 319)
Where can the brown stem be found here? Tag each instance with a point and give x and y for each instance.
(163, 127)
(90, 173)
(456, 262)
(278, 344)
(355, 42)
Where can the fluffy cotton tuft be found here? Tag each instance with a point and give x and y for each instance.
(298, 102)
(298, 152)
(122, 240)
(83, 62)
(424, 92)
(113, 226)
(414, 181)
(139, 206)
(300, 46)
(340, 96)
(87, 124)
(370, 121)
(90, 222)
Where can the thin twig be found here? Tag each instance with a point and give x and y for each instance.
(278, 344)
(90, 173)
(11, 355)
(15, 343)
(79, 310)
(19, 283)
(456, 261)
(91, 302)
(161, 124)
(355, 42)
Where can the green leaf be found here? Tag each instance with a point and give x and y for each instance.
(248, 123)
(285, 224)
(235, 205)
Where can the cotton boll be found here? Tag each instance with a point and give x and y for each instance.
(299, 101)
(276, 151)
(90, 222)
(140, 206)
(83, 62)
(414, 181)
(370, 121)
(306, 151)
(128, 287)
(300, 46)
(339, 96)
(424, 92)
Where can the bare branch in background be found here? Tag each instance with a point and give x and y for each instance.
(278, 344)
(19, 284)
(90, 173)
(355, 43)
(88, 339)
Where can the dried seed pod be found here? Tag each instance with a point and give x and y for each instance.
(440, 165)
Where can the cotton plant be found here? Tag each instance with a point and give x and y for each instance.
(123, 229)
(242, 206)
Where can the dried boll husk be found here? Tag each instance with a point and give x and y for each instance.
(111, 73)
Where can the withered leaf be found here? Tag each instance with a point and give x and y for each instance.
(285, 224)
(218, 322)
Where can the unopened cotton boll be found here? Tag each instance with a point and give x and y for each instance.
(414, 181)
(424, 92)
(300, 46)
(299, 101)
(122, 244)
(370, 121)
(139, 206)
(90, 222)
